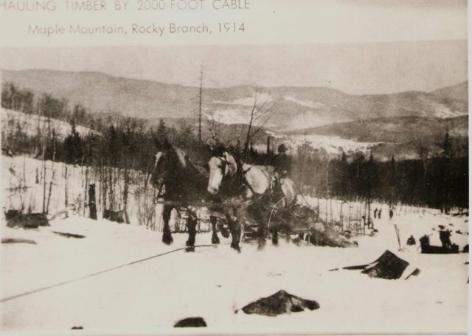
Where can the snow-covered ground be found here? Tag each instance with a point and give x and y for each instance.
(29, 124)
(332, 144)
(214, 282)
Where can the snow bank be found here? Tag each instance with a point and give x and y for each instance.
(31, 122)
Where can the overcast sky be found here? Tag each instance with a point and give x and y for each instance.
(357, 46)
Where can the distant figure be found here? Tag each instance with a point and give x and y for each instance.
(282, 167)
(375, 213)
(380, 214)
(424, 242)
(370, 223)
(445, 237)
(411, 240)
(391, 213)
(282, 163)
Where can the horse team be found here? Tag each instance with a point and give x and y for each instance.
(231, 189)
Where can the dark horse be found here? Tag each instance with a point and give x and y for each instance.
(181, 184)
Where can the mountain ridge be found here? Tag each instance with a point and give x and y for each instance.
(291, 108)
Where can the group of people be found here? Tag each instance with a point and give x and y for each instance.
(378, 213)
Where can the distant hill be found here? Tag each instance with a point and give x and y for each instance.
(329, 119)
(457, 92)
(290, 107)
(99, 92)
(402, 136)
(396, 130)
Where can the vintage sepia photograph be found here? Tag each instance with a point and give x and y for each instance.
(240, 188)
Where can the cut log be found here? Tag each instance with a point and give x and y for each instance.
(17, 240)
(69, 235)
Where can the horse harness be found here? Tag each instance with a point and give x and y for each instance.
(240, 178)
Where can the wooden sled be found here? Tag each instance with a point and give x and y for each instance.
(432, 249)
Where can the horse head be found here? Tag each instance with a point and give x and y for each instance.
(159, 170)
(167, 163)
(221, 166)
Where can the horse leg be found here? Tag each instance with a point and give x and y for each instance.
(236, 236)
(191, 226)
(166, 235)
(235, 228)
(214, 235)
(261, 236)
(261, 231)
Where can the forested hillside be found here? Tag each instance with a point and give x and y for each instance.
(71, 134)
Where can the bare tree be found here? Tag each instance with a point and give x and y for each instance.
(258, 118)
(200, 102)
(213, 128)
(53, 170)
(424, 154)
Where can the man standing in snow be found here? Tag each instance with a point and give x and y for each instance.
(282, 163)
(445, 237)
(282, 168)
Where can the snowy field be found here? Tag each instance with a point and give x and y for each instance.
(29, 124)
(214, 282)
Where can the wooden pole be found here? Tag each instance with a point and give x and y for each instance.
(66, 187)
(92, 203)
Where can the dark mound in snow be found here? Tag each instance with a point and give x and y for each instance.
(301, 219)
(387, 266)
(191, 322)
(279, 303)
(323, 235)
(115, 216)
(411, 241)
(27, 221)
